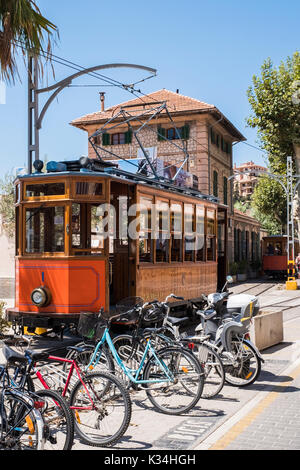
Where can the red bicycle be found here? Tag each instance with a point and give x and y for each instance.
(100, 403)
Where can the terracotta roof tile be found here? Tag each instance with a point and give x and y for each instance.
(175, 103)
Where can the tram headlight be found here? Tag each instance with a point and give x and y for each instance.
(41, 296)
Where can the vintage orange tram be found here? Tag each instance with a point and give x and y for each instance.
(89, 234)
(275, 257)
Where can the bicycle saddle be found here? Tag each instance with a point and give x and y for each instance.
(13, 356)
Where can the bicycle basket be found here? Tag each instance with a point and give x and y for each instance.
(87, 324)
(99, 330)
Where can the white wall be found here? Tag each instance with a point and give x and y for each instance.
(7, 254)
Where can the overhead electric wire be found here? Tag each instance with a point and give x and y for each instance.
(111, 82)
(74, 66)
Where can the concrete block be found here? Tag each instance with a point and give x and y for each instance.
(267, 329)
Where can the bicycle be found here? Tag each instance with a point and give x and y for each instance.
(94, 399)
(169, 334)
(21, 423)
(172, 377)
(59, 426)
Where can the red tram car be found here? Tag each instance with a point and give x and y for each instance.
(275, 257)
(74, 251)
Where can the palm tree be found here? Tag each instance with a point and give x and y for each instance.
(22, 27)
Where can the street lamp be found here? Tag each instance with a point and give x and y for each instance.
(34, 117)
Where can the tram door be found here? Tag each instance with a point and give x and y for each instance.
(222, 247)
(121, 254)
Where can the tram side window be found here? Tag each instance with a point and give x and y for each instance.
(44, 229)
(211, 235)
(200, 233)
(176, 232)
(162, 232)
(189, 236)
(145, 238)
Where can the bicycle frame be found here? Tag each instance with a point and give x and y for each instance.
(5, 428)
(132, 374)
(73, 367)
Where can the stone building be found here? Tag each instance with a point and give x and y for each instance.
(207, 134)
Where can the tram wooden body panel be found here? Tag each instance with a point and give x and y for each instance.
(189, 281)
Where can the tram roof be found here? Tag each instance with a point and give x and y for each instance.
(74, 168)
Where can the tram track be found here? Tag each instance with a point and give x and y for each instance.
(262, 287)
(265, 288)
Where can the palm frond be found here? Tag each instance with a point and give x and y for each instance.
(22, 28)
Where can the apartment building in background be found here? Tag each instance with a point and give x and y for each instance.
(244, 184)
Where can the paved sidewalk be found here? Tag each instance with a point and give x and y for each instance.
(265, 415)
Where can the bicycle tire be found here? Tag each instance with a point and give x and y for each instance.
(246, 372)
(21, 424)
(58, 419)
(163, 396)
(214, 371)
(111, 396)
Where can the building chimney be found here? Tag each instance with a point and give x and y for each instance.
(102, 93)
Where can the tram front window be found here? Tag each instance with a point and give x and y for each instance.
(89, 227)
(44, 229)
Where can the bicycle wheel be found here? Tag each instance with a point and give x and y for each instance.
(21, 424)
(213, 369)
(245, 367)
(102, 409)
(59, 421)
(184, 391)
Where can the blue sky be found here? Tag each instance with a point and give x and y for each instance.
(207, 50)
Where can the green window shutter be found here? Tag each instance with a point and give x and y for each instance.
(215, 184)
(161, 133)
(105, 139)
(218, 140)
(225, 190)
(128, 137)
(185, 132)
(212, 136)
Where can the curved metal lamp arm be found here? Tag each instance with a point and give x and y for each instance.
(59, 86)
(263, 173)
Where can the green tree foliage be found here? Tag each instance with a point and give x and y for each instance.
(269, 205)
(276, 116)
(22, 28)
